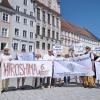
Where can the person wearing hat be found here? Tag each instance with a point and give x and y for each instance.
(5, 57)
(88, 79)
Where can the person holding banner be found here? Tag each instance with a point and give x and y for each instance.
(23, 78)
(59, 57)
(5, 57)
(96, 58)
(88, 79)
(50, 57)
(66, 79)
(37, 82)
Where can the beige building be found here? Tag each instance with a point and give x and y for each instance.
(31, 24)
(6, 12)
(72, 35)
(17, 25)
(48, 25)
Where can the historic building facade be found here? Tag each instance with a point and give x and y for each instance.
(6, 13)
(48, 25)
(21, 25)
(36, 26)
(33, 24)
(72, 35)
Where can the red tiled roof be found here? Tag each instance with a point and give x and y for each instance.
(75, 29)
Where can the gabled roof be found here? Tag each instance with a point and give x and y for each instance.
(77, 30)
(5, 3)
(6, 7)
(46, 7)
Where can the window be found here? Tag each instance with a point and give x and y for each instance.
(15, 46)
(53, 20)
(38, 30)
(53, 34)
(31, 23)
(3, 45)
(16, 32)
(57, 36)
(25, 21)
(30, 48)
(23, 46)
(34, 9)
(31, 13)
(43, 46)
(17, 19)
(32, 1)
(48, 18)
(17, 8)
(38, 13)
(5, 17)
(48, 33)
(57, 22)
(25, 2)
(4, 32)
(24, 34)
(37, 44)
(43, 16)
(25, 11)
(31, 35)
(48, 47)
(43, 31)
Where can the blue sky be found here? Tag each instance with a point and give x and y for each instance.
(83, 13)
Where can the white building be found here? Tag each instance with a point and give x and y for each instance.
(22, 24)
(72, 35)
(35, 24)
(48, 25)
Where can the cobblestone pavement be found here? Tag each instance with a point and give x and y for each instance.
(57, 93)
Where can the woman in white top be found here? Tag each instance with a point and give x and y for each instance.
(49, 57)
(5, 57)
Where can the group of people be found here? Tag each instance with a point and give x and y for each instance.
(37, 82)
(87, 81)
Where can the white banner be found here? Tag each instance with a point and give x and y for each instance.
(26, 56)
(13, 69)
(77, 66)
(97, 65)
(83, 60)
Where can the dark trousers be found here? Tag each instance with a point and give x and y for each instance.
(35, 82)
(67, 79)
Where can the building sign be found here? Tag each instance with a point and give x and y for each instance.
(57, 49)
(79, 48)
(97, 49)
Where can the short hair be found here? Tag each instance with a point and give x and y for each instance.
(23, 50)
(87, 47)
